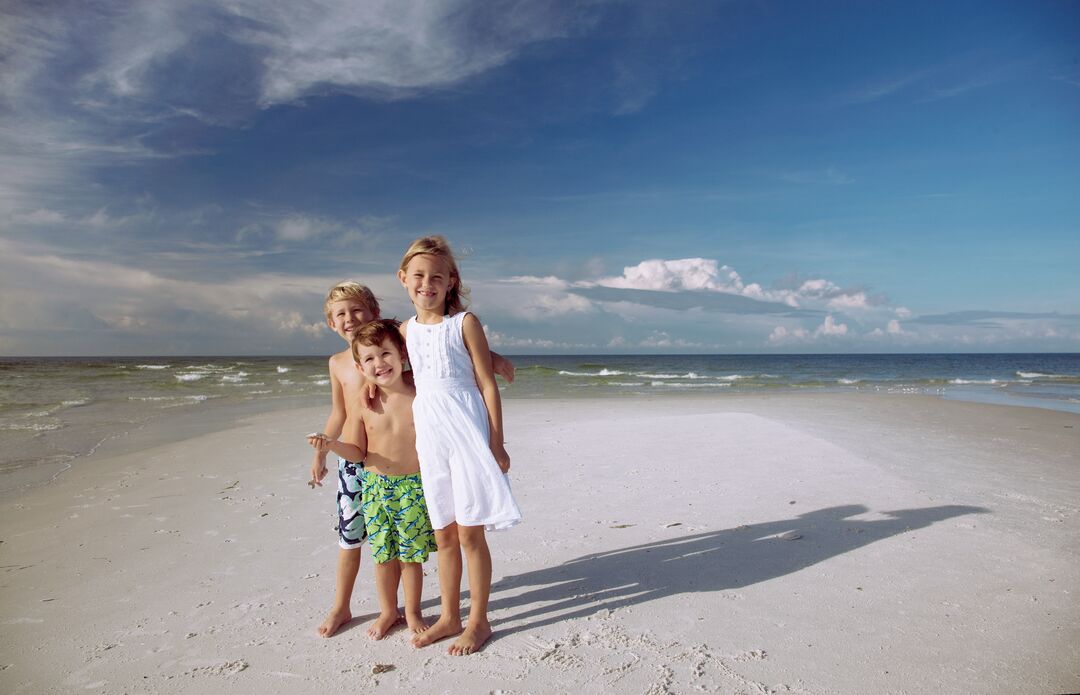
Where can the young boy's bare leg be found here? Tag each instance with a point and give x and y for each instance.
(449, 622)
(412, 579)
(478, 629)
(387, 577)
(348, 565)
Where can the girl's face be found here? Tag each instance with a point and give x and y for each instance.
(427, 280)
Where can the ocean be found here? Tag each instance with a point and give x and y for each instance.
(54, 411)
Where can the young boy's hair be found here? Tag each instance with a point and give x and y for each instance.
(375, 333)
(457, 297)
(351, 290)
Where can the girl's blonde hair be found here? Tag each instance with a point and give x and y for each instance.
(457, 297)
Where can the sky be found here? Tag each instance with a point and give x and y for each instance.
(189, 178)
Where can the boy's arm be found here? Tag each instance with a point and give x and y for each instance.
(349, 451)
(332, 429)
(503, 367)
(477, 345)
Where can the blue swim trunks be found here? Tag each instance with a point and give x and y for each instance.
(351, 529)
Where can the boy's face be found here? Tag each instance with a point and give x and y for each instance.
(347, 315)
(380, 363)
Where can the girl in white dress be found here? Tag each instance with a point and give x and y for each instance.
(459, 437)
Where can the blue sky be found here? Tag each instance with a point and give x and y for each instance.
(190, 178)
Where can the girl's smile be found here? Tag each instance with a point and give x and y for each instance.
(427, 279)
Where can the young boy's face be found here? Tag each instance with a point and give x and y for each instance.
(347, 315)
(380, 363)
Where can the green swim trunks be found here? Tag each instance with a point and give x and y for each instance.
(396, 517)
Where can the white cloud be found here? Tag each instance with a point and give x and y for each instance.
(830, 327)
(849, 301)
(894, 328)
(38, 217)
(675, 275)
(293, 322)
(502, 340)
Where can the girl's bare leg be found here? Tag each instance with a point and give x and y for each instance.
(449, 622)
(478, 630)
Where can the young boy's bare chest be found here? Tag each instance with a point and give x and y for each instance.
(391, 437)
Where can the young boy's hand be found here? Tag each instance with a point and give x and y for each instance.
(319, 441)
(501, 457)
(503, 367)
(370, 393)
(318, 471)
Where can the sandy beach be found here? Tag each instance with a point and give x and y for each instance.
(805, 543)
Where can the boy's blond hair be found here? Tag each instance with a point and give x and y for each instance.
(457, 297)
(351, 290)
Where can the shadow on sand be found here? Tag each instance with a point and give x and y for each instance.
(711, 561)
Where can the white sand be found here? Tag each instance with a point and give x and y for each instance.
(938, 552)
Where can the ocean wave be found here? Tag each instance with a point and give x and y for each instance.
(321, 382)
(75, 403)
(191, 376)
(258, 393)
(1067, 378)
(152, 366)
(973, 381)
(31, 426)
(677, 385)
(282, 370)
(688, 375)
(286, 382)
(730, 377)
(602, 372)
(848, 382)
(234, 378)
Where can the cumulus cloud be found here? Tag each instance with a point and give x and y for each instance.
(707, 275)
(502, 340)
(829, 328)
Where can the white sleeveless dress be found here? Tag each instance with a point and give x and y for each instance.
(462, 481)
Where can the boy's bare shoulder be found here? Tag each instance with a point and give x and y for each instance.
(342, 363)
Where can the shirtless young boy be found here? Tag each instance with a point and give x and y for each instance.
(398, 528)
(348, 307)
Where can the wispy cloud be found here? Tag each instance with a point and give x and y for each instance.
(829, 176)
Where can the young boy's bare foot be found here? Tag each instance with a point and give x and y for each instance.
(444, 627)
(334, 620)
(381, 625)
(416, 622)
(471, 640)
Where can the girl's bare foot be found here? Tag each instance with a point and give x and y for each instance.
(334, 620)
(381, 625)
(415, 621)
(471, 640)
(444, 627)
